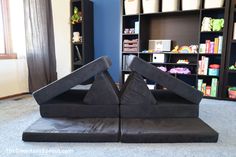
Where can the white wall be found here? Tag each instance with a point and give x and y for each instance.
(61, 18)
(13, 77)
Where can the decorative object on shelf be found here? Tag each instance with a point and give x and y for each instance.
(170, 5)
(194, 48)
(132, 7)
(130, 45)
(76, 37)
(185, 49)
(162, 68)
(218, 24)
(159, 45)
(176, 49)
(209, 24)
(129, 31)
(150, 6)
(76, 17)
(191, 4)
(180, 70)
(232, 93)
(234, 38)
(214, 70)
(213, 4)
(233, 67)
(183, 61)
(206, 24)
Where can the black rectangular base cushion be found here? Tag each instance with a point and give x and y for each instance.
(73, 130)
(70, 105)
(176, 130)
(169, 105)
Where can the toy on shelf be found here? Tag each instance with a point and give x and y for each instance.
(76, 17)
(209, 24)
(180, 70)
(185, 49)
(232, 92)
(183, 61)
(162, 68)
(233, 67)
(129, 31)
(217, 24)
(176, 49)
(76, 37)
(206, 24)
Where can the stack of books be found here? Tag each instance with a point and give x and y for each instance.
(203, 66)
(212, 47)
(210, 91)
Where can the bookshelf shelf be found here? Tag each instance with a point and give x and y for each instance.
(85, 28)
(173, 26)
(130, 34)
(232, 71)
(212, 32)
(208, 76)
(176, 64)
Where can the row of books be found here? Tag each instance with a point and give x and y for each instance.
(212, 47)
(210, 91)
(203, 65)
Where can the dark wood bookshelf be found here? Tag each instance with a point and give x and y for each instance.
(183, 28)
(85, 27)
(230, 58)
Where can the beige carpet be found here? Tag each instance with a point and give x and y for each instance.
(17, 115)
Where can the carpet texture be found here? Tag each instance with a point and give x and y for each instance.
(17, 114)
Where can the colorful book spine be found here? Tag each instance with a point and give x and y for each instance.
(214, 87)
(208, 90)
(208, 46)
(206, 64)
(212, 45)
(220, 49)
(204, 88)
(199, 84)
(216, 48)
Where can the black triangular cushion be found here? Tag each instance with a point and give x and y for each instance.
(173, 84)
(103, 91)
(136, 92)
(77, 77)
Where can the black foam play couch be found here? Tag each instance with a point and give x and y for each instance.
(133, 115)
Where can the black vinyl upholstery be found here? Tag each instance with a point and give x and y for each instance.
(175, 130)
(73, 130)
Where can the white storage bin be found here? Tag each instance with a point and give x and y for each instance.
(213, 4)
(191, 4)
(170, 5)
(159, 58)
(151, 6)
(132, 7)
